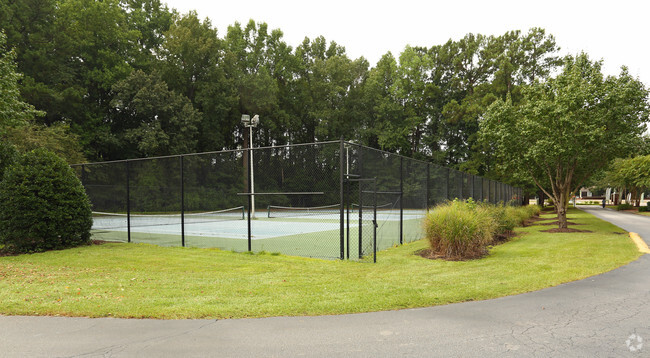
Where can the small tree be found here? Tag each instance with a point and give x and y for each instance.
(567, 128)
(631, 174)
(43, 205)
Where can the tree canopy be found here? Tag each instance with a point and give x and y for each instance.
(629, 174)
(567, 128)
(120, 79)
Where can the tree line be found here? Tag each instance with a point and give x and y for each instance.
(133, 78)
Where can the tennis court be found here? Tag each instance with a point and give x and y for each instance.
(333, 200)
(273, 231)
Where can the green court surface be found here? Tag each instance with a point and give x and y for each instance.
(318, 237)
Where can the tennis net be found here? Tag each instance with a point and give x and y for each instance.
(108, 221)
(276, 211)
(387, 206)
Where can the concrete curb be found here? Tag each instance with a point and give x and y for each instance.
(643, 247)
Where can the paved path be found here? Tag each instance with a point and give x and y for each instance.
(590, 318)
(626, 221)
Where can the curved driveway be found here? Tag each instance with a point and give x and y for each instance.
(602, 316)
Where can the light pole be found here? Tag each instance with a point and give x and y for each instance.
(250, 123)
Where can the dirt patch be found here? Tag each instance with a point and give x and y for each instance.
(565, 230)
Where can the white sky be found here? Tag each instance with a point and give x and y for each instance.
(616, 31)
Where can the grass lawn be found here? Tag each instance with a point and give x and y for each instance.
(139, 280)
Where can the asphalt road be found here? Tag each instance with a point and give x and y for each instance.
(603, 316)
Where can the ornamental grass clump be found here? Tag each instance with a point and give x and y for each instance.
(506, 219)
(460, 230)
(532, 210)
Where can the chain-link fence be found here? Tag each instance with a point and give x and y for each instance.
(332, 200)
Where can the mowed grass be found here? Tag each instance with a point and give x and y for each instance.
(145, 281)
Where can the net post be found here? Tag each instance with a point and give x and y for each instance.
(341, 201)
(128, 201)
(401, 201)
(182, 203)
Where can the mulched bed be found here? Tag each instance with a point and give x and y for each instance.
(429, 254)
(502, 238)
(4, 253)
(558, 223)
(556, 230)
(99, 242)
(499, 239)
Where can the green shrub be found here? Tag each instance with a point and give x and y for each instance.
(519, 213)
(643, 209)
(459, 230)
(532, 210)
(44, 206)
(463, 230)
(624, 207)
(505, 218)
(8, 155)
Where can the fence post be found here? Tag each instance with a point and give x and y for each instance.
(427, 185)
(374, 222)
(447, 182)
(342, 200)
(250, 197)
(460, 184)
(401, 202)
(182, 203)
(360, 186)
(128, 202)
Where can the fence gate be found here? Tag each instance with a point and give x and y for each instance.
(360, 218)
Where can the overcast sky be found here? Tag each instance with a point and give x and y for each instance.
(615, 31)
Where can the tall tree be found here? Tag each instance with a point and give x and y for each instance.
(325, 76)
(567, 128)
(192, 64)
(18, 119)
(13, 111)
(151, 120)
(152, 19)
(383, 107)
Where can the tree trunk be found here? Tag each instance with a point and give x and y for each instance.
(560, 208)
